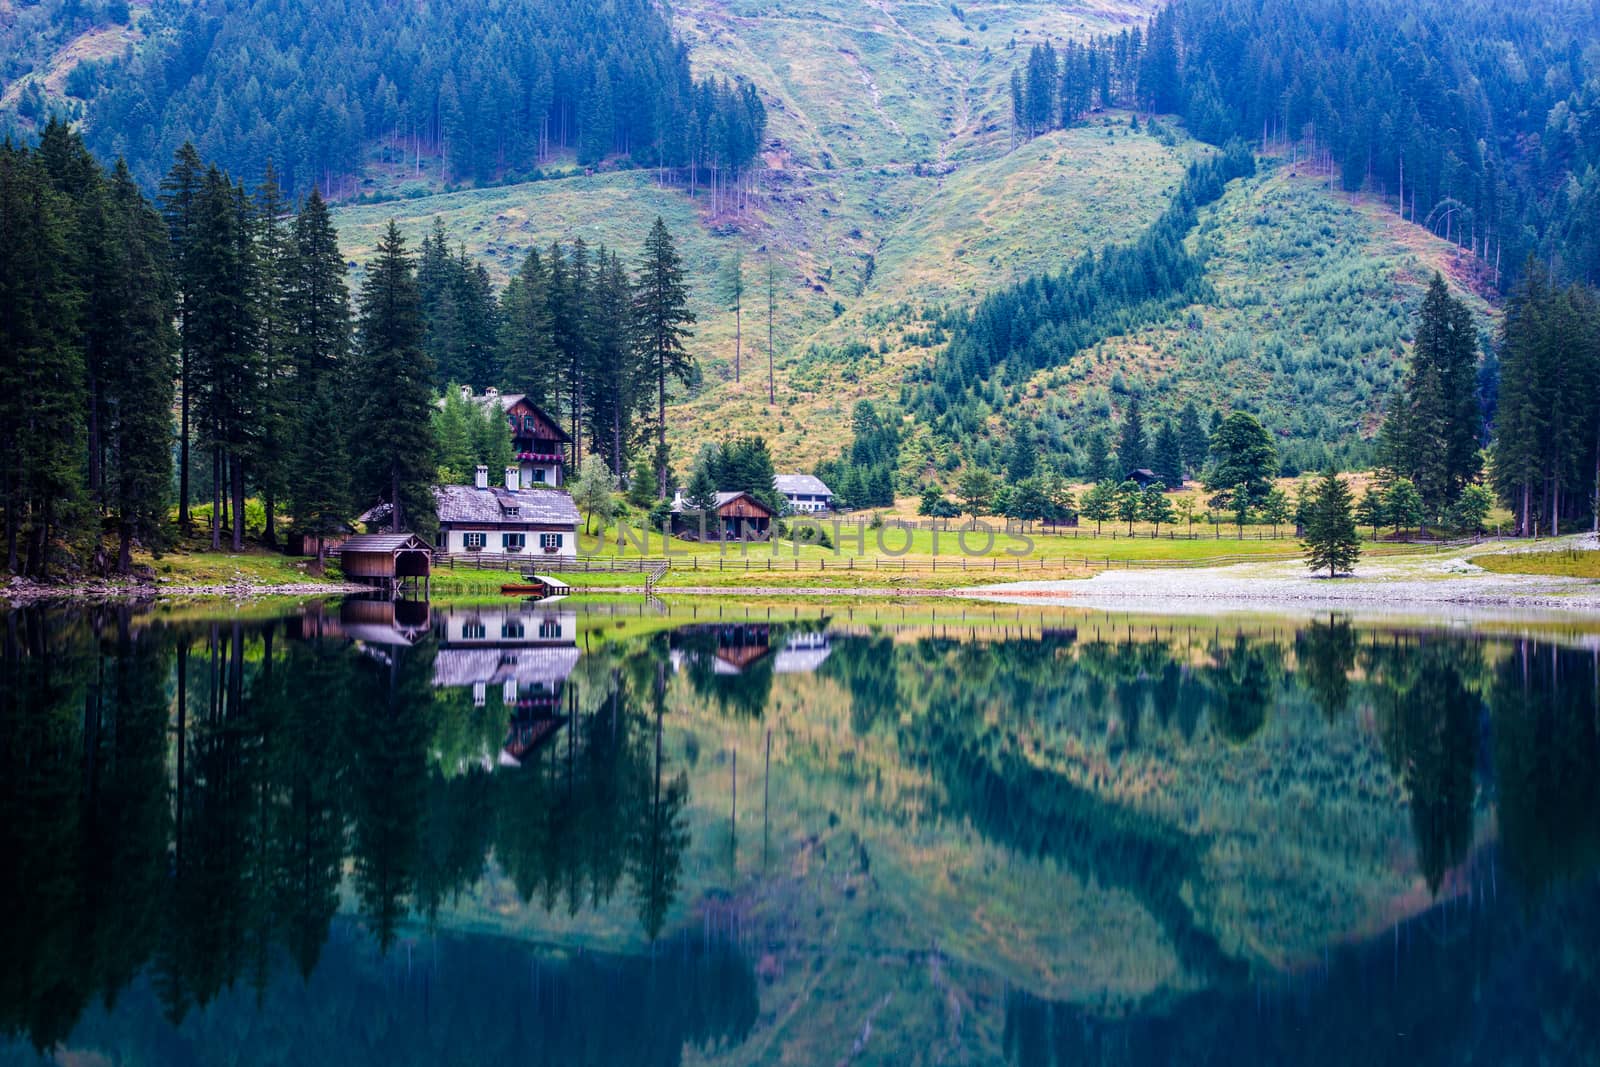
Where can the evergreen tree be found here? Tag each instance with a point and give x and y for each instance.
(180, 197)
(1024, 458)
(1331, 540)
(1154, 507)
(224, 343)
(394, 398)
(1370, 512)
(1433, 426)
(1403, 504)
(661, 301)
(976, 490)
(317, 343)
(139, 396)
(1168, 457)
(1098, 466)
(274, 417)
(42, 400)
(527, 350)
(1131, 445)
(1100, 502)
(1194, 440)
(1244, 462)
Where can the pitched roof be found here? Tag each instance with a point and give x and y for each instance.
(802, 484)
(678, 506)
(382, 543)
(535, 507)
(507, 401)
(463, 666)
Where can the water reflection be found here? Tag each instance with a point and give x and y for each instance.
(188, 806)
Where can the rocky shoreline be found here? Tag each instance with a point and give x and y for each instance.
(20, 592)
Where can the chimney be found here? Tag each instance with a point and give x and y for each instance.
(482, 480)
(466, 392)
(513, 478)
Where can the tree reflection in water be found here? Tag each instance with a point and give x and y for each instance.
(184, 806)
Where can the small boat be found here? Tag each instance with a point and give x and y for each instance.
(537, 587)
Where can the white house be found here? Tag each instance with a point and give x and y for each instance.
(806, 493)
(537, 523)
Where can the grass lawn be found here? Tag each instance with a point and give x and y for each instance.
(254, 566)
(1567, 563)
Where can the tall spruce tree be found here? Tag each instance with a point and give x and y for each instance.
(393, 391)
(139, 396)
(317, 313)
(180, 197)
(1433, 426)
(1168, 459)
(276, 263)
(42, 400)
(224, 349)
(1131, 444)
(527, 350)
(1194, 439)
(661, 301)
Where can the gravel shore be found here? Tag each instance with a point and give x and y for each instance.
(1408, 585)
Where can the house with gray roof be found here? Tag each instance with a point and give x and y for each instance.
(506, 520)
(806, 493)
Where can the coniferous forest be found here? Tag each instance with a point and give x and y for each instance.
(474, 91)
(202, 350)
(1479, 122)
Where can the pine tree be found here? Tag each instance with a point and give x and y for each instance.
(1194, 440)
(1023, 460)
(1097, 467)
(224, 344)
(42, 400)
(527, 349)
(394, 397)
(1131, 445)
(180, 196)
(1168, 460)
(317, 344)
(273, 417)
(1432, 429)
(1331, 541)
(140, 286)
(661, 301)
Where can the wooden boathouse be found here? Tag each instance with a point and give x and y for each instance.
(387, 561)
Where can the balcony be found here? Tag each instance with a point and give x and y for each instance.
(540, 457)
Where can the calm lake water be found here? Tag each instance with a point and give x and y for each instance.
(616, 835)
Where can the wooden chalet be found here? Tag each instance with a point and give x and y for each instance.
(737, 517)
(386, 561)
(538, 442)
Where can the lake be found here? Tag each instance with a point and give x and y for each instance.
(627, 834)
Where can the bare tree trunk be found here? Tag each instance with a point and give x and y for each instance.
(238, 504)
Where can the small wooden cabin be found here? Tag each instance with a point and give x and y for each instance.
(386, 560)
(738, 517)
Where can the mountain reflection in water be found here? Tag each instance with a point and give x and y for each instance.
(379, 832)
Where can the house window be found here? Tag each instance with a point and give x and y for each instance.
(473, 631)
(514, 542)
(550, 542)
(550, 629)
(538, 474)
(512, 513)
(511, 629)
(473, 542)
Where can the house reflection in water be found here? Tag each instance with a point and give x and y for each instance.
(524, 651)
(802, 653)
(733, 648)
(372, 622)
